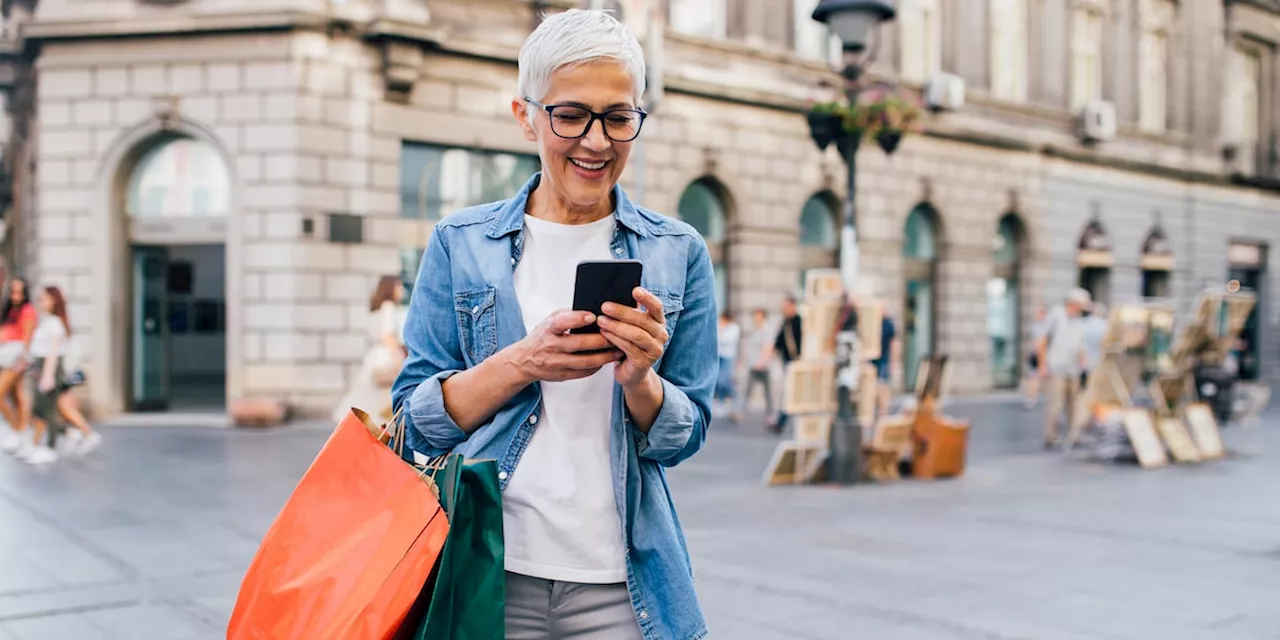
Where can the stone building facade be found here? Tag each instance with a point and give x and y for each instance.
(218, 184)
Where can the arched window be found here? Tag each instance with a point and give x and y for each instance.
(179, 178)
(819, 235)
(920, 262)
(1004, 301)
(702, 205)
(1094, 260)
(1157, 264)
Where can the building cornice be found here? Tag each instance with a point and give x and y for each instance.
(1266, 5)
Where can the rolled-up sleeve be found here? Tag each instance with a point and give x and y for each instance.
(434, 354)
(688, 370)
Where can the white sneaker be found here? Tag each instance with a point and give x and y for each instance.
(68, 443)
(89, 443)
(10, 443)
(41, 456)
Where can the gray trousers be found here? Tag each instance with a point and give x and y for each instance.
(540, 609)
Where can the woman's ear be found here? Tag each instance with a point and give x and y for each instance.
(520, 109)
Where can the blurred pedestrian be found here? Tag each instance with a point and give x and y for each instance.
(370, 390)
(728, 337)
(757, 349)
(1063, 356)
(45, 376)
(1031, 382)
(787, 347)
(1095, 330)
(889, 347)
(18, 318)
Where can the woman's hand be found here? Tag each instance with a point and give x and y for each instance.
(552, 354)
(641, 335)
(46, 383)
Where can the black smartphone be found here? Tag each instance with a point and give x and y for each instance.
(601, 281)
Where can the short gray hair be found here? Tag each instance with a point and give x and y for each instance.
(574, 37)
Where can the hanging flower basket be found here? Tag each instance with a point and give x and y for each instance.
(884, 115)
(824, 124)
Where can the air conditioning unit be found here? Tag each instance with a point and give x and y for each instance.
(944, 91)
(1098, 121)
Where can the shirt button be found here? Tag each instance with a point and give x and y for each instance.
(618, 251)
(533, 419)
(502, 475)
(475, 310)
(644, 615)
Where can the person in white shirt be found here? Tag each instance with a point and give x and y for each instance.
(728, 337)
(48, 344)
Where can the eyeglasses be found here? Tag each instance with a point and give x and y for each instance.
(572, 122)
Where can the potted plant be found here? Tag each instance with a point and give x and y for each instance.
(825, 122)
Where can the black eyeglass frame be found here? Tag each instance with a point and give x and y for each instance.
(550, 109)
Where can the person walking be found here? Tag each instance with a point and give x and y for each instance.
(757, 349)
(1031, 382)
(889, 347)
(729, 337)
(370, 390)
(18, 318)
(1063, 358)
(582, 425)
(1095, 331)
(45, 377)
(786, 346)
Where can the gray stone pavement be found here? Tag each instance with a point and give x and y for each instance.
(148, 539)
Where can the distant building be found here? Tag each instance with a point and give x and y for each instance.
(218, 183)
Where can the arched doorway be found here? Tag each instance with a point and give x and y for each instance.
(1157, 264)
(920, 266)
(819, 235)
(703, 206)
(1004, 302)
(1094, 260)
(176, 200)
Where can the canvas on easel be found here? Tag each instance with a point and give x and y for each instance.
(1146, 442)
(1204, 430)
(795, 463)
(1175, 435)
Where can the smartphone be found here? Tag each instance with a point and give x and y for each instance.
(601, 281)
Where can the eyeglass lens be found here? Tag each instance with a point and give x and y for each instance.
(571, 122)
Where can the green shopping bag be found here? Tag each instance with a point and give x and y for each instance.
(466, 597)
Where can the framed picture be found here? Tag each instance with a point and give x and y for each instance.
(1204, 430)
(1175, 435)
(1146, 442)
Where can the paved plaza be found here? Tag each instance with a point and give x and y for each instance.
(148, 538)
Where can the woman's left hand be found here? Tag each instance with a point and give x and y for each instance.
(641, 335)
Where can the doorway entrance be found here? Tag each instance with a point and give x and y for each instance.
(920, 267)
(1248, 267)
(176, 206)
(178, 356)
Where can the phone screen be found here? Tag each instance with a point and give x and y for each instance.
(604, 281)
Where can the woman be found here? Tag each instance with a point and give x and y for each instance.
(17, 323)
(582, 424)
(48, 344)
(728, 338)
(371, 389)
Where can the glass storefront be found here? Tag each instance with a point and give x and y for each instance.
(702, 206)
(920, 256)
(1004, 305)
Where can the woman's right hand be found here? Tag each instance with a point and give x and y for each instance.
(549, 353)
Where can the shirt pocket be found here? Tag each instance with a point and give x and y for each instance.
(477, 323)
(672, 305)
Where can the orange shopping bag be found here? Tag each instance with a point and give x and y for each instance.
(351, 549)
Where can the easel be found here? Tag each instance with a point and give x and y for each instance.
(811, 386)
(1117, 371)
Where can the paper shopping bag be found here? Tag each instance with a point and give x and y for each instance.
(349, 553)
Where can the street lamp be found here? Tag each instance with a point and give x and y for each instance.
(855, 23)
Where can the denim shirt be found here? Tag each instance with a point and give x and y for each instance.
(464, 309)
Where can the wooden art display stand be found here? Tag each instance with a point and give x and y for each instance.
(1134, 344)
(810, 387)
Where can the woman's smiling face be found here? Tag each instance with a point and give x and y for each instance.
(581, 173)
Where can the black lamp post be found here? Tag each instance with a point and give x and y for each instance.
(855, 23)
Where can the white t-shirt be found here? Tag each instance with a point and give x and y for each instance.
(727, 338)
(1066, 343)
(49, 329)
(560, 518)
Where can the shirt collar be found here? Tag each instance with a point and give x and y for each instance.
(511, 216)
